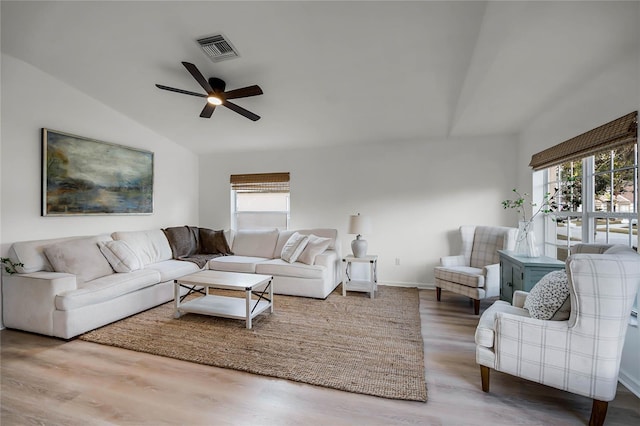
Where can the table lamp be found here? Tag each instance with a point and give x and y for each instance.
(359, 225)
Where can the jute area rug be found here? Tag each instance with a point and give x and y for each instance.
(350, 343)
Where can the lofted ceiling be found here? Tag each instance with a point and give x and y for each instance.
(332, 72)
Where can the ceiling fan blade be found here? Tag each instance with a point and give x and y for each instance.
(243, 92)
(207, 110)
(198, 76)
(186, 92)
(251, 116)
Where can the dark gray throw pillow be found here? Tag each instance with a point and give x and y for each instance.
(213, 242)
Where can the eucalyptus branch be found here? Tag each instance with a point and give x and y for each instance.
(520, 203)
(10, 266)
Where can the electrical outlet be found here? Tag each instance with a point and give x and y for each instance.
(397, 261)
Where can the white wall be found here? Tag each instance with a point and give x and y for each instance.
(32, 100)
(611, 94)
(417, 194)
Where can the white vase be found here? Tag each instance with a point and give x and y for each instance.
(526, 240)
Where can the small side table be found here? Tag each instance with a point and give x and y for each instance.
(522, 273)
(370, 286)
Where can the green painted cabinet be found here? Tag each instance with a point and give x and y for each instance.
(522, 273)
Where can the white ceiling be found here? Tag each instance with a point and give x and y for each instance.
(332, 72)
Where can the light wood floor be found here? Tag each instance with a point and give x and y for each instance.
(56, 382)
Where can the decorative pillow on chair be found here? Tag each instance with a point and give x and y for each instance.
(120, 256)
(293, 247)
(549, 298)
(315, 246)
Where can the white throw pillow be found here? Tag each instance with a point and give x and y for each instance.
(294, 247)
(315, 246)
(80, 257)
(549, 298)
(120, 255)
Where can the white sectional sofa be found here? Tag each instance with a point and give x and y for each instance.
(90, 293)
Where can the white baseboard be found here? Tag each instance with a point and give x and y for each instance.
(422, 286)
(630, 383)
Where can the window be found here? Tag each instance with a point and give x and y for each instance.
(260, 201)
(597, 200)
(596, 175)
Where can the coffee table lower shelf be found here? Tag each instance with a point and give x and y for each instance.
(256, 288)
(222, 306)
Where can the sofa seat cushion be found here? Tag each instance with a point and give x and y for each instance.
(106, 288)
(236, 263)
(485, 332)
(172, 269)
(466, 275)
(279, 267)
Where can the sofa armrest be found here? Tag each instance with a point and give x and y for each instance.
(327, 258)
(492, 273)
(28, 300)
(491, 279)
(330, 260)
(453, 261)
(519, 297)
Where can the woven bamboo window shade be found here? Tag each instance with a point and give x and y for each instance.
(621, 131)
(261, 182)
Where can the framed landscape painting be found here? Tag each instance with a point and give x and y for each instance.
(82, 176)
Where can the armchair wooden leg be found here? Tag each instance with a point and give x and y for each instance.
(484, 374)
(598, 412)
(438, 293)
(476, 306)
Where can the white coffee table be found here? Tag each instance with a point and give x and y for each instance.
(245, 308)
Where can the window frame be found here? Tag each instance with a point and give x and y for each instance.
(260, 183)
(588, 215)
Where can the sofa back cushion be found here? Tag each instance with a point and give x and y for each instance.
(256, 243)
(31, 253)
(150, 246)
(81, 257)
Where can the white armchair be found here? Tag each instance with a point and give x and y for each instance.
(475, 272)
(580, 355)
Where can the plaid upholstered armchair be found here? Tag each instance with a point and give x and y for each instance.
(475, 272)
(580, 354)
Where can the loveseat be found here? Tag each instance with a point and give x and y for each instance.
(68, 286)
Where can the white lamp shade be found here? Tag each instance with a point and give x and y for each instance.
(359, 225)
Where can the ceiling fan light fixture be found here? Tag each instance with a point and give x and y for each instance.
(214, 100)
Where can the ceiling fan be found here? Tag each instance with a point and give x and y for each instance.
(216, 95)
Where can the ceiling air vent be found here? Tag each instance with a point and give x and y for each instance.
(218, 48)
